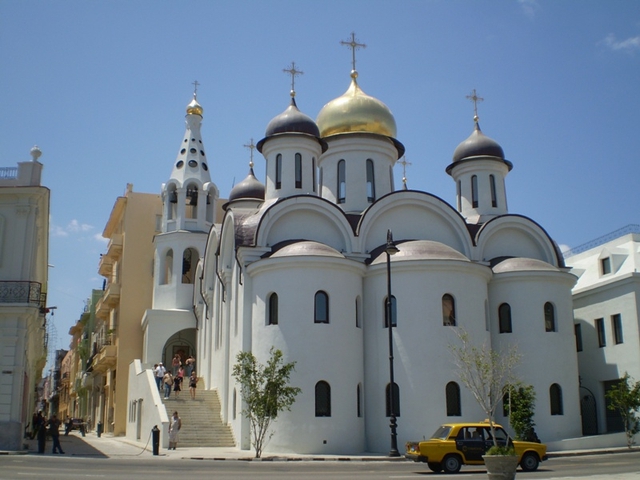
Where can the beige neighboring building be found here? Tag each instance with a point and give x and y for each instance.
(127, 267)
(24, 256)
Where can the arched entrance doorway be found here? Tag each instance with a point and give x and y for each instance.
(182, 343)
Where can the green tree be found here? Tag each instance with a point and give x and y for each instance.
(625, 398)
(520, 401)
(265, 391)
(485, 372)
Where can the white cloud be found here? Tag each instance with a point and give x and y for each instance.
(57, 231)
(629, 45)
(529, 7)
(100, 238)
(75, 226)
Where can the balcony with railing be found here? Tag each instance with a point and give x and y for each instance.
(29, 293)
(110, 298)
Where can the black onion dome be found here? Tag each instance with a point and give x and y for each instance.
(291, 120)
(478, 145)
(250, 187)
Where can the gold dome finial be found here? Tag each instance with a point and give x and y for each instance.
(353, 45)
(293, 72)
(194, 108)
(475, 99)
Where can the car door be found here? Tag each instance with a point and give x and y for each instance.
(470, 441)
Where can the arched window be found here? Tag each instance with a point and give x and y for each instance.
(504, 318)
(494, 197)
(359, 400)
(323, 399)
(210, 206)
(278, 171)
(320, 181)
(396, 400)
(234, 403)
(452, 393)
(321, 307)
(272, 313)
(394, 312)
(191, 202)
(549, 317)
(371, 184)
(172, 197)
(555, 399)
(358, 313)
(342, 182)
(167, 272)
(474, 191)
(459, 195)
(189, 265)
(313, 173)
(448, 311)
(298, 170)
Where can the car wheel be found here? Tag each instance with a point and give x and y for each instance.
(434, 466)
(529, 462)
(451, 464)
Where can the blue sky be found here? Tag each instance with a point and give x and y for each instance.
(101, 87)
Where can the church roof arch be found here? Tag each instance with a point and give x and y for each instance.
(305, 217)
(209, 255)
(415, 215)
(516, 236)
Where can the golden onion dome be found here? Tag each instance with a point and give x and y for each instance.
(355, 111)
(194, 108)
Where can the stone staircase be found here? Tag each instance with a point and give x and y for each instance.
(201, 424)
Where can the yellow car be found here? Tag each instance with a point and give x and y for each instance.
(457, 444)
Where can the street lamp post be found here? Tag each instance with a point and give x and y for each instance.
(391, 249)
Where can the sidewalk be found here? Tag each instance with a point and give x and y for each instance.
(120, 447)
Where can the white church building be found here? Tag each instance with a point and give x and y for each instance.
(299, 263)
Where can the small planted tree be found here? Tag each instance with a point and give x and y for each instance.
(519, 402)
(485, 372)
(266, 392)
(625, 398)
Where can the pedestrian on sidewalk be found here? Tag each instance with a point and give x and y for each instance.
(41, 432)
(168, 383)
(175, 424)
(193, 381)
(54, 426)
(67, 426)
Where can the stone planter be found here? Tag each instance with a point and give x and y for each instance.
(501, 467)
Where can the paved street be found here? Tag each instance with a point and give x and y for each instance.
(113, 458)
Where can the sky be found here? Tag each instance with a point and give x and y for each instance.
(101, 87)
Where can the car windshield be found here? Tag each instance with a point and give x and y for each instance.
(442, 433)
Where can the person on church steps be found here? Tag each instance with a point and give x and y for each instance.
(167, 381)
(176, 363)
(177, 385)
(193, 381)
(175, 424)
(159, 372)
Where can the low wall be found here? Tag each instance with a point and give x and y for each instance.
(609, 440)
(146, 409)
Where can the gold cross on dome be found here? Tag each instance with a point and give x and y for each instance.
(293, 72)
(404, 164)
(251, 146)
(353, 45)
(475, 99)
(195, 87)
